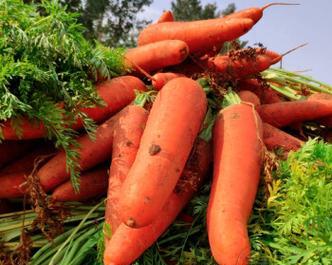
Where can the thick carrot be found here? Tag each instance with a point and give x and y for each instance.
(274, 138)
(172, 126)
(160, 79)
(116, 93)
(248, 96)
(157, 55)
(127, 136)
(12, 185)
(93, 183)
(127, 244)
(200, 35)
(11, 150)
(238, 151)
(326, 121)
(254, 13)
(285, 113)
(91, 153)
(167, 16)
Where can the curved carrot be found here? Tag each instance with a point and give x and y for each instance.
(127, 136)
(248, 96)
(172, 126)
(286, 113)
(157, 55)
(116, 93)
(237, 134)
(200, 35)
(326, 121)
(167, 16)
(127, 244)
(93, 183)
(160, 79)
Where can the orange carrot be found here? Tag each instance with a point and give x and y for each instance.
(248, 96)
(274, 138)
(285, 113)
(93, 183)
(237, 135)
(326, 121)
(116, 93)
(160, 79)
(11, 150)
(200, 35)
(157, 55)
(172, 126)
(12, 185)
(127, 136)
(167, 16)
(127, 244)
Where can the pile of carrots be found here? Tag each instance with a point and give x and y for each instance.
(150, 158)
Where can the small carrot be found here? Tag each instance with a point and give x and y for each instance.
(285, 113)
(174, 121)
(237, 135)
(199, 35)
(127, 244)
(160, 79)
(156, 55)
(326, 121)
(248, 96)
(167, 16)
(93, 183)
(274, 138)
(12, 185)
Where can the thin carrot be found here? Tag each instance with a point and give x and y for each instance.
(167, 16)
(160, 79)
(172, 126)
(285, 113)
(127, 244)
(93, 183)
(127, 136)
(248, 96)
(238, 151)
(200, 35)
(156, 55)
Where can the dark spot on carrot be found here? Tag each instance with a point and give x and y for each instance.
(154, 149)
(177, 170)
(129, 143)
(235, 116)
(147, 200)
(130, 222)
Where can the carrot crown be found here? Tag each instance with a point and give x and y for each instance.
(231, 98)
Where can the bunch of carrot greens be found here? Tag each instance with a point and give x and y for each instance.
(189, 109)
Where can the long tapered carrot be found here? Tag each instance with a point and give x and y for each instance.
(200, 35)
(326, 121)
(127, 136)
(157, 55)
(172, 126)
(285, 113)
(116, 93)
(11, 150)
(238, 151)
(93, 183)
(127, 244)
(275, 138)
(160, 79)
(167, 16)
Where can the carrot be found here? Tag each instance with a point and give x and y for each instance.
(116, 93)
(254, 13)
(248, 96)
(200, 35)
(285, 113)
(172, 126)
(93, 183)
(238, 153)
(274, 138)
(127, 136)
(157, 55)
(326, 121)
(91, 153)
(11, 150)
(127, 244)
(160, 79)
(12, 185)
(167, 16)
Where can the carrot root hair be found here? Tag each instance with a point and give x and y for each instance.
(145, 73)
(277, 59)
(278, 4)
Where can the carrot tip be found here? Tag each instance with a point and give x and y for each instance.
(279, 4)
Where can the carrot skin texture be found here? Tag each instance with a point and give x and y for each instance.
(167, 16)
(157, 55)
(160, 79)
(248, 96)
(254, 13)
(12, 185)
(200, 35)
(286, 113)
(274, 138)
(326, 121)
(93, 183)
(172, 123)
(127, 136)
(127, 244)
(237, 134)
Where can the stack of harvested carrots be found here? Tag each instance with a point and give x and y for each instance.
(158, 156)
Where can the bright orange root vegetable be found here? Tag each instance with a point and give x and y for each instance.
(167, 16)
(248, 96)
(160, 79)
